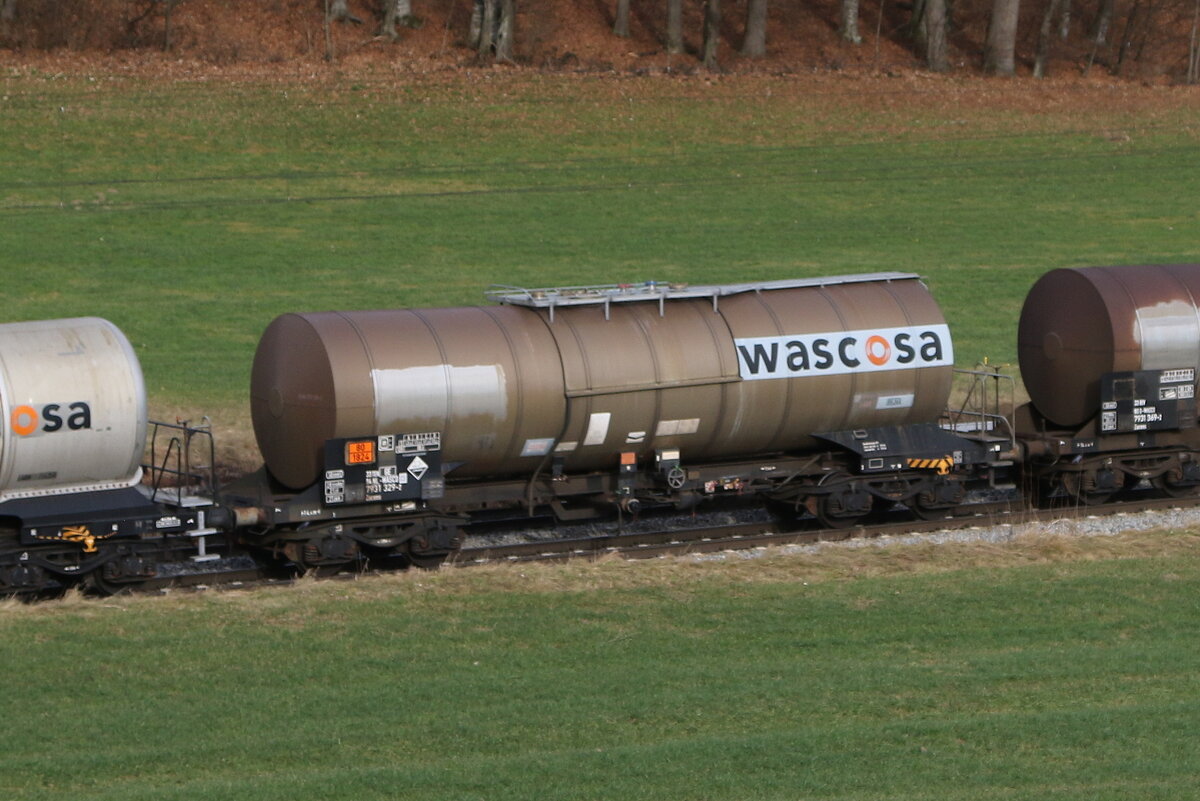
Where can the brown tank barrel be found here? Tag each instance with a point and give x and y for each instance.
(714, 371)
(1078, 324)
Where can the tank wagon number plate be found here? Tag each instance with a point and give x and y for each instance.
(838, 352)
(1147, 400)
(383, 468)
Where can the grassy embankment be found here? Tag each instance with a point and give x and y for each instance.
(928, 674)
(192, 215)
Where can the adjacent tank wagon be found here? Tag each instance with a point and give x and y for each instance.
(1109, 356)
(72, 397)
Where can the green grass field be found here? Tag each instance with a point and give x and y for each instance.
(867, 675)
(192, 214)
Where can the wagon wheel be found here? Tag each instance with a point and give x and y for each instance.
(96, 582)
(426, 561)
(1082, 487)
(845, 505)
(1166, 484)
(923, 512)
(940, 501)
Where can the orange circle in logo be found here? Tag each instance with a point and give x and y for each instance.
(873, 350)
(24, 420)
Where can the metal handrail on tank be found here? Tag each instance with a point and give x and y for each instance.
(175, 478)
(981, 414)
(550, 298)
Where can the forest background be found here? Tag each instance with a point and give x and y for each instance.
(1142, 39)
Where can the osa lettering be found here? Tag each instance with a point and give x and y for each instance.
(26, 420)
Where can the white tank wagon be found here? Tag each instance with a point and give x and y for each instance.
(74, 408)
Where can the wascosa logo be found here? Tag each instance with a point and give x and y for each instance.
(871, 350)
(26, 420)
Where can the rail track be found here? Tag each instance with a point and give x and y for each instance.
(663, 537)
(759, 534)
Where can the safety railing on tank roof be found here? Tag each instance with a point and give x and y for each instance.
(176, 475)
(606, 294)
(986, 410)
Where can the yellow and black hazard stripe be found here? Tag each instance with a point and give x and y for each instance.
(942, 464)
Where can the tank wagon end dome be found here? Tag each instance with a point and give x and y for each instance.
(73, 406)
(292, 390)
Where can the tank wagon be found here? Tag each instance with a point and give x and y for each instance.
(385, 434)
(820, 394)
(72, 499)
(1109, 357)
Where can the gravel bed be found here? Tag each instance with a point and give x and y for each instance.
(1073, 526)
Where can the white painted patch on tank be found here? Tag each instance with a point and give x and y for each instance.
(597, 430)
(437, 392)
(1169, 334)
(537, 447)
(675, 428)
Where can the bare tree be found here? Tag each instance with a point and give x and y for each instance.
(621, 25)
(1045, 34)
(506, 30)
(712, 33)
(397, 12)
(1101, 23)
(339, 11)
(493, 28)
(999, 49)
(1193, 73)
(928, 27)
(936, 56)
(1126, 36)
(755, 43)
(674, 26)
(1099, 32)
(482, 36)
(849, 26)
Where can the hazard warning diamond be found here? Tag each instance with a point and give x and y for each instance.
(418, 468)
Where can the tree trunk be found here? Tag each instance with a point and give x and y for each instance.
(933, 34)
(1126, 37)
(1064, 26)
(674, 26)
(475, 29)
(712, 33)
(849, 28)
(8, 10)
(167, 7)
(506, 30)
(755, 43)
(621, 26)
(487, 27)
(1101, 23)
(340, 12)
(1193, 51)
(999, 50)
(398, 11)
(1045, 34)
